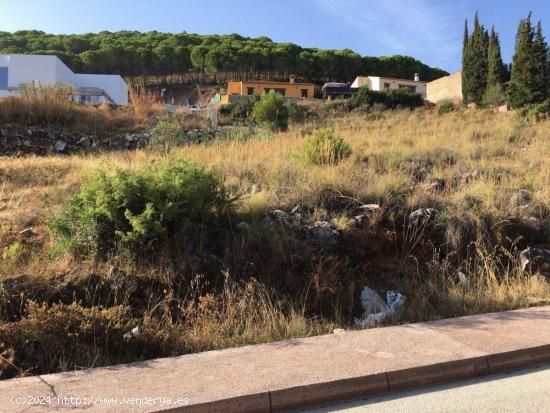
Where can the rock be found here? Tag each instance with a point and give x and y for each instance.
(421, 215)
(322, 233)
(521, 199)
(243, 227)
(371, 208)
(26, 233)
(296, 210)
(504, 109)
(60, 146)
(85, 141)
(292, 220)
(437, 185)
(535, 260)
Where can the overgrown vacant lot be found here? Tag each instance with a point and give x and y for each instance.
(237, 272)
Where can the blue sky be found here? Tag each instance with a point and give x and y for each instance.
(430, 30)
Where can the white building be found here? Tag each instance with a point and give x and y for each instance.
(50, 70)
(386, 83)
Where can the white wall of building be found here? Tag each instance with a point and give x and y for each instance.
(49, 70)
(114, 85)
(379, 83)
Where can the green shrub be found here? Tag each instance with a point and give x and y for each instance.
(392, 99)
(298, 113)
(325, 148)
(446, 107)
(271, 112)
(13, 252)
(242, 110)
(167, 135)
(536, 110)
(140, 208)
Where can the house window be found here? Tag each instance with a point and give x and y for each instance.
(3, 78)
(304, 93)
(281, 92)
(386, 86)
(249, 91)
(407, 87)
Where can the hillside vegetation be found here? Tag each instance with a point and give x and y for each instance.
(185, 56)
(262, 236)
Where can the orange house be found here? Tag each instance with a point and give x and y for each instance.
(289, 89)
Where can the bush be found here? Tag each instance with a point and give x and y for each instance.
(392, 99)
(13, 252)
(167, 135)
(536, 110)
(170, 201)
(271, 112)
(242, 110)
(298, 113)
(324, 148)
(446, 107)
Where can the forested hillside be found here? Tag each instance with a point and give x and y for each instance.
(185, 56)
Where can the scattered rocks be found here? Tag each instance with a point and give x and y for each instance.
(535, 260)
(292, 219)
(421, 216)
(86, 142)
(437, 185)
(60, 146)
(520, 200)
(322, 233)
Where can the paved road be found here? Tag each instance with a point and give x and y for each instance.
(525, 391)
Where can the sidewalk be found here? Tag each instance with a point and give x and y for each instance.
(297, 373)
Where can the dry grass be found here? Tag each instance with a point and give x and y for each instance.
(53, 107)
(487, 175)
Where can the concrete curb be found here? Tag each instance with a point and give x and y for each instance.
(301, 373)
(301, 397)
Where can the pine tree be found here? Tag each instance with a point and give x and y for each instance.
(521, 81)
(541, 67)
(496, 72)
(475, 64)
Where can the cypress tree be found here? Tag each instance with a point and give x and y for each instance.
(541, 67)
(475, 62)
(521, 81)
(496, 72)
(465, 63)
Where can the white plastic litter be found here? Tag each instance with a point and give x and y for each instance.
(131, 334)
(462, 279)
(376, 310)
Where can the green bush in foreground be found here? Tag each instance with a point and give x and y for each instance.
(446, 107)
(325, 148)
(138, 208)
(271, 112)
(166, 135)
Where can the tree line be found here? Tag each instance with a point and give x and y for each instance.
(486, 80)
(181, 57)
